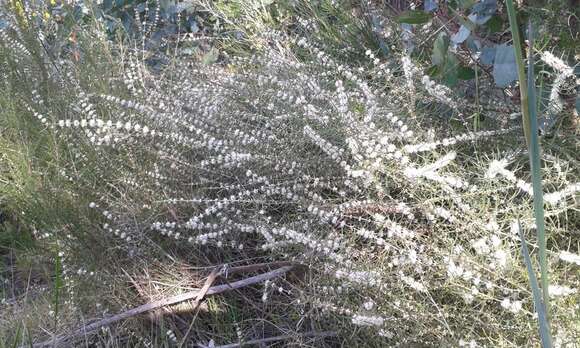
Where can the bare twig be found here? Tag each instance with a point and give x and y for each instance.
(276, 338)
(153, 315)
(208, 283)
(56, 341)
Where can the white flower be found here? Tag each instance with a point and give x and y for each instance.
(362, 320)
(481, 246)
(556, 63)
(555, 197)
(492, 226)
(368, 305)
(495, 241)
(454, 270)
(495, 168)
(569, 257)
(515, 228)
(501, 258)
(516, 306)
(513, 307)
(558, 290)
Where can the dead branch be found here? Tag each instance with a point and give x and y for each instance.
(56, 341)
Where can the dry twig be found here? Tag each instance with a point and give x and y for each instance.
(57, 341)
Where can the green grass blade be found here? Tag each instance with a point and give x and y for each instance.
(545, 335)
(57, 285)
(521, 68)
(17, 337)
(534, 151)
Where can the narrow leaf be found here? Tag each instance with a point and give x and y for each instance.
(534, 151)
(521, 67)
(440, 49)
(504, 68)
(414, 17)
(430, 5)
(544, 329)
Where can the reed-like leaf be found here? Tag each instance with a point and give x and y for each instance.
(544, 326)
(57, 286)
(530, 124)
(534, 151)
(521, 68)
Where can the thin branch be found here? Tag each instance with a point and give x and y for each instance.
(208, 283)
(165, 302)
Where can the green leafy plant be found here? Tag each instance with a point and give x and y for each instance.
(545, 335)
(414, 17)
(530, 123)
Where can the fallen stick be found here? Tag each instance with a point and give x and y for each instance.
(164, 302)
(275, 338)
(208, 283)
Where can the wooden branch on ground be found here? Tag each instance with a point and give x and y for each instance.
(208, 283)
(191, 295)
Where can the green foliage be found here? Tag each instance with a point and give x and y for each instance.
(440, 48)
(414, 17)
(544, 327)
(479, 27)
(14, 236)
(446, 66)
(519, 60)
(505, 71)
(530, 119)
(535, 166)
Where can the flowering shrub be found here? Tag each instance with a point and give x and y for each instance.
(406, 221)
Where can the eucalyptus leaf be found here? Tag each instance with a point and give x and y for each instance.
(473, 44)
(430, 5)
(461, 35)
(451, 70)
(485, 8)
(478, 20)
(505, 70)
(440, 49)
(414, 17)
(488, 55)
